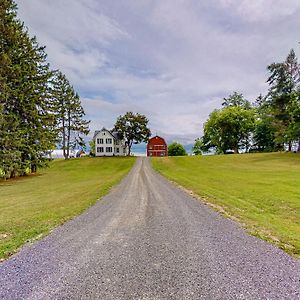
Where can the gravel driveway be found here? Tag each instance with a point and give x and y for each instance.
(148, 239)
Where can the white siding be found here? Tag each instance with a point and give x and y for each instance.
(104, 144)
(107, 145)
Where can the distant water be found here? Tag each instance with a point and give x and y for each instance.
(139, 149)
(139, 153)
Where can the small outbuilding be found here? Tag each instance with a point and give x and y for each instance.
(157, 146)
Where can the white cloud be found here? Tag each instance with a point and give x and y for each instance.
(172, 60)
(262, 10)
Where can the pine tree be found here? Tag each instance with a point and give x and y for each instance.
(264, 132)
(236, 99)
(70, 123)
(284, 83)
(24, 97)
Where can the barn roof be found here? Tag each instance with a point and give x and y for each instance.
(157, 136)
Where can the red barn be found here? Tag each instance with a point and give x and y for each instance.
(157, 147)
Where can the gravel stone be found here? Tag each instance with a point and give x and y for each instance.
(147, 239)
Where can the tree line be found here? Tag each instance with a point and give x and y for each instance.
(39, 108)
(270, 123)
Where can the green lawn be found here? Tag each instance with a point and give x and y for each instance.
(262, 191)
(31, 206)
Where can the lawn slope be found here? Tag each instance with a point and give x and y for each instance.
(33, 205)
(262, 191)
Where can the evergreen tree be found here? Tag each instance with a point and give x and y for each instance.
(284, 83)
(236, 99)
(264, 132)
(294, 125)
(24, 96)
(69, 114)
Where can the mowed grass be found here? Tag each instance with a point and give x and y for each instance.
(262, 191)
(31, 206)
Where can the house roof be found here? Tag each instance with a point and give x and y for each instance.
(114, 134)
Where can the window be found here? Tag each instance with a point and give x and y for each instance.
(100, 149)
(109, 149)
(117, 142)
(108, 141)
(150, 147)
(118, 150)
(99, 141)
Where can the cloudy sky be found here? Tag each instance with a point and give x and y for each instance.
(172, 60)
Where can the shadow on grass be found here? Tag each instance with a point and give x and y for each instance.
(19, 180)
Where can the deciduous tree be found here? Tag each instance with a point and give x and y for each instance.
(176, 149)
(198, 146)
(229, 128)
(134, 127)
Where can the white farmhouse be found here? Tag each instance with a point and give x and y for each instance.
(108, 143)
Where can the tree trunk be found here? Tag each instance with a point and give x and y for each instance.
(129, 148)
(298, 150)
(33, 168)
(64, 137)
(290, 146)
(12, 174)
(69, 135)
(236, 150)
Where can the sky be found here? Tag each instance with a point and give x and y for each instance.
(172, 60)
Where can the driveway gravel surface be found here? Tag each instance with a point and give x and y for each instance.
(147, 239)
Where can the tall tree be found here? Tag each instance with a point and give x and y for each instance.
(284, 82)
(264, 132)
(70, 122)
(236, 99)
(294, 125)
(229, 128)
(24, 97)
(134, 127)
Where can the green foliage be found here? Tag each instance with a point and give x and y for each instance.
(31, 100)
(133, 127)
(284, 84)
(259, 190)
(272, 124)
(236, 99)
(32, 206)
(69, 114)
(229, 128)
(92, 145)
(176, 149)
(26, 122)
(264, 132)
(199, 146)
